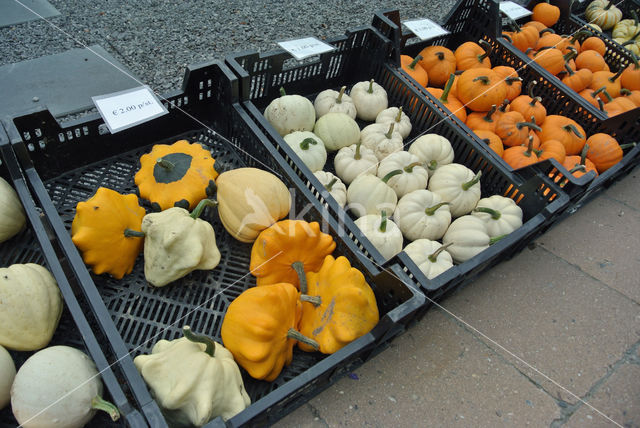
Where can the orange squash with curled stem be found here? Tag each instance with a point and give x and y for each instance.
(591, 60)
(511, 78)
(481, 88)
(548, 38)
(520, 156)
(594, 43)
(454, 105)
(530, 106)
(482, 120)
(630, 77)
(604, 151)
(594, 97)
(494, 142)
(513, 129)
(565, 130)
(577, 80)
(551, 59)
(412, 67)
(579, 165)
(473, 55)
(634, 95)
(552, 149)
(523, 37)
(546, 13)
(439, 62)
(609, 80)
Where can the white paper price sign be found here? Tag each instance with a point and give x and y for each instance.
(306, 47)
(128, 108)
(514, 10)
(425, 29)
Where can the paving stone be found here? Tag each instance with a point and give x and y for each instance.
(626, 190)
(566, 324)
(436, 374)
(618, 398)
(602, 239)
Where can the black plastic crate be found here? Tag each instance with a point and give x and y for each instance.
(357, 59)
(36, 245)
(67, 164)
(472, 20)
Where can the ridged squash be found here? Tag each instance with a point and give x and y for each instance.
(12, 218)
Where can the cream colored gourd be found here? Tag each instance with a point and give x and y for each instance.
(369, 99)
(12, 217)
(603, 13)
(56, 387)
(383, 233)
(7, 373)
(176, 243)
(413, 176)
(30, 307)
(368, 194)
(194, 378)
(433, 150)
(422, 214)
(309, 148)
(431, 257)
(337, 130)
(398, 117)
(250, 200)
(330, 101)
(290, 113)
(381, 139)
(501, 215)
(468, 237)
(354, 160)
(458, 185)
(334, 186)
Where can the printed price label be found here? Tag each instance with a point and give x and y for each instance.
(514, 10)
(425, 29)
(304, 48)
(128, 108)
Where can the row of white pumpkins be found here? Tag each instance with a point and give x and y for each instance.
(421, 189)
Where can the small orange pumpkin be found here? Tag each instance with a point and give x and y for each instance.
(594, 97)
(579, 165)
(494, 142)
(537, 24)
(577, 80)
(552, 149)
(530, 106)
(449, 101)
(548, 38)
(551, 59)
(480, 88)
(513, 129)
(609, 80)
(511, 78)
(591, 60)
(604, 151)
(523, 38)
(619, 105)
(482, 120)
(520, 156)
(439, 62)
(630, 77)
(473, 55)
(565, 130)
(634, 95)
(546, 13)
(595, 44)
(412, 67)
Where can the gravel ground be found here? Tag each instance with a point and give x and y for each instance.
(157, 39)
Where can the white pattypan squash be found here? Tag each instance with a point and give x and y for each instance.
(309, 148)
(330, 101)
(368, 194)
(290, 113)
(12, 217)
(354, 160)
(383, 233)
(382, 139)
(7, 373)
(369, 98)
(422, 214)
(456, 184)
(397, 116)
(431, 257)
(501, 215)
(433, 150)
(334, 186)
(337, 130)
(412, 176)
(468, 237)
(30, 306)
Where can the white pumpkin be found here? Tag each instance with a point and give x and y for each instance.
(337, 130)
(32, 306)
(368, 194)
(12, 217)
(383, 233)
(431, 257)
(397, 116)
(58, 386)
(7, 373)
(458, 185)
(354, 160)
(422, 214)
(330, 101)
(309, 148)
(290, 113)
(334, 186)
(501, 215)
(369, 98)
(382, 139)
(468, 237)
(433, 150)
(413, 175)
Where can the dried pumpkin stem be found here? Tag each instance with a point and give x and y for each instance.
(391, 174)
(197, 211)
(357, 155)
(469, 184)
(604, 92)
(508, 37)
(399, 115)
(390, 132)
(487, 117)
(572, 128)
(330, 184)
(339, 98)
(383, 222)
(569, 69)
(530, 87)
(440, 55)
(100, 403)
(415, 62)
(302, 276)
(304, 144)
(601, 104)
(617, 75)
(496, 239)
(547, 30)
(370, 90)
(578, 168)
(512, 79)
(315, 300)
(503, 106)
(200, 338)
(432, 210)
(494, 213)
(168, 165)
(483, 79)
(409, 168)
(628, 145)
(608, 6)
(294, 334)
(530, 125)
(434, 257)
(447, 88)
(130, 233)
(583, 154)
(487, 50)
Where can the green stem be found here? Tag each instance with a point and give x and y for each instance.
(529, 147)
(383, 222)
(466, 186)
(434, 257)
(483, 79)
(294, 334)
(304, 145)
(100, 403)
(440, 55)
(572, 128)
(600, 104)
(370, 90)
(496, 239)
(530, 125)
(315, 300)
(433, 165)
(282, 91)
(168, 165)
(578, 168)
(200, 338)
(494, 214)
(487, 50)
(415, 62)
(432, 210)
(390, 133)
(487, 117)
(302, 276)
(130, 233)
(546, 30)
(583, 154)
(409, 168)
(447, 88)
(511, 79)
(569, 69)
(628, 145)
(603, 91)
(197, 211)
(357, 156)
(329, 185)
(503, 106)
(399, 115)
(617, 75)
(391, 174)
(339, 99)
(608, 6)
(530, 87)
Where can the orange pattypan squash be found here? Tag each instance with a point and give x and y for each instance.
(546, 13)
(106, 230)
(439, 62)
(260, 329)
(288, 248)
(347, 307)
(473, 55)
(481, 88)
(414, 69)
(565, 130)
